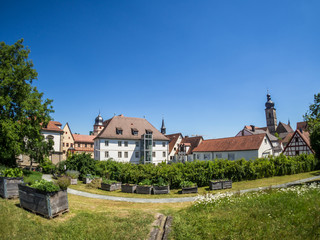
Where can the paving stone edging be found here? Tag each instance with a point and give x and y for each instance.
(182, 199)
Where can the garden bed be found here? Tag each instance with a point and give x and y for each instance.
(161, 190)
(48, 205)
(187, 190)
(220, 184)
(144, 189)
(9, 186)
(128, 188)
(111, 187)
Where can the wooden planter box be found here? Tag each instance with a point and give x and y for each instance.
(189, 190)
(143, 189)
(73, 181)
(161, 190)
(128, 188)
(87, 180)
(111, 187)
(48, 205)
(9, 187)
(217, 185)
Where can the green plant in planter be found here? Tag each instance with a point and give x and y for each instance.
(160, 182)
(145, 182)
(12, 172)
(186, 184)
(108, 181)
(73, 174)
(95, 183)
(45, 186)
(63, 182)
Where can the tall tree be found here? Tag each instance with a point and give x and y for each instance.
(22, 109)
(312, 117)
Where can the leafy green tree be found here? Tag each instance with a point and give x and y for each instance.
(22, 108)
(312, 117)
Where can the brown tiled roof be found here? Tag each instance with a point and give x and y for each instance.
(173, 140)
(83, 138)
(53, 126)
(287, 139)
(304, 135)
(83, 149)
(284, 128)
(194, 141)
(302, 125)
(127, 123)
(250, 142)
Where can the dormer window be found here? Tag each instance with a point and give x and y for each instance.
(134, 131)
(119, 131)
(148, 131)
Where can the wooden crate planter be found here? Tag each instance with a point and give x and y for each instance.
(220, 184)
(111, 187)
(87, 180)
(128, 188)
(161, 189)
(48, 205)
(144, 189)
(73, 181)
(187, 190)
(9, 187)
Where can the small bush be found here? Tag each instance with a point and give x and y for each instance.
(12, 172)
(95, 183)
(45, 186)
(73, 174)
(145, 182)
(160, 182)
(63, 182)
(186, 184)
(108, 181)
(47, 166)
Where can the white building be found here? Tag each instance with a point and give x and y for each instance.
(247, 147)
(128, 139)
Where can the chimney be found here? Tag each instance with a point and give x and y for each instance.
(253, 128)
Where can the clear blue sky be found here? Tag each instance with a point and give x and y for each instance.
(203, 65)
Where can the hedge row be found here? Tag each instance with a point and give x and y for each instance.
(201, 172)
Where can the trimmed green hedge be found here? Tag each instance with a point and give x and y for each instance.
(201, 172)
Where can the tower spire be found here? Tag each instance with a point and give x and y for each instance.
(163, 128)
(271, 116)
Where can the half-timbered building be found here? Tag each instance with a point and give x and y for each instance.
(298, 144)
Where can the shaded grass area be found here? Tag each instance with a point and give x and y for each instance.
(275, 215)
(87, 219)
(175, 193)
(31, 176)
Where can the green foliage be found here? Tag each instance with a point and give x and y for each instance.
(95, 183)
(108, 181)
(45, 186)
(83, 163)
(73, 174)
(47, 166)
(22, 109)
(201, 172)
(145, 182)
(31, 177)
(312, 117)
(63, 182)
(186, 184)
(160, 182)
(11, 172)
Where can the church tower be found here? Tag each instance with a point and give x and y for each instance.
(271, 115)
(163, 128)
(98, 125)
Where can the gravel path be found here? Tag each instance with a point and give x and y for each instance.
(182, 199)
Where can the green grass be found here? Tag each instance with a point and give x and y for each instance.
(87, 219)
(174, 193)
(275, 215)
(31, 176)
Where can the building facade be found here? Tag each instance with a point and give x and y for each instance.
(84, 144)
(67, 141)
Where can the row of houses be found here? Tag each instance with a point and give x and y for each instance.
(135, 140)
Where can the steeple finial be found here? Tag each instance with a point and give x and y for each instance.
(163, 128)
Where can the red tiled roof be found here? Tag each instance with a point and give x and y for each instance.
(173, 140)
(304, 135)
(83, 138)
(302, 125)
(194, 141)
(287, 139)
(53, 126)
(242, 143)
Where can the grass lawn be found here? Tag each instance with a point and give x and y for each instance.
(284, 214)
(174, 193)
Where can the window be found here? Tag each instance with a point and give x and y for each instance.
(85, 145)
(198, 156)
(69, 137)
(134, 131)
(125, 154)
(153, 143)
(78, 144)
(62, 144)
(119, 131)
(137, 144)
(137, 154)
(126, 143)
(219, 155)
(231, 156)
(297, 139)
(297, 152)
(171, 157)
(120, 154)
(106, 154)
(148, 131)
(119, 143)
(64, 151)
(91, 145)
(175, 148)
(67, 144)
(71, 144)
(163, 154)
(106, 143)
(206, 156)
(265, 141)
(153, 154)
(163, 144)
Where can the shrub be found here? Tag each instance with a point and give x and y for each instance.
(47, 166)
(145, 182)
(45, 186)
(108, 181)
(12, 172)
(83, 163)
(186, 184)
(95, 183)
(63, 182)
(73, 174)
(160, 182)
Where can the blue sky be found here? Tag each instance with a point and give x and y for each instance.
(205, 66)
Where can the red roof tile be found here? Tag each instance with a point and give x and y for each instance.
(53, 126)
(194, 141)
(83, 138)
(173, 140)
